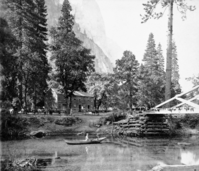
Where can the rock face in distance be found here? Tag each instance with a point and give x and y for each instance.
(102, 62)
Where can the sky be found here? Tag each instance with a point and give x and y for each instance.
(122, 25)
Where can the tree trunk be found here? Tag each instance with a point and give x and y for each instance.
(70, 105)
(20, 64)
(35, 98)
(99, 104)
(25, 97)
(130, 99)
(169, 55)
(95, 103)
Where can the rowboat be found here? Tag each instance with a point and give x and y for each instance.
(90, 141)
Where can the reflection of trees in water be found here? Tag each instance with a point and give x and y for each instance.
(126, 156)
(113, 157)
(189, 157)
(123, 156)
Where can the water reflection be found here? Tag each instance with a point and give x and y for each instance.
(113, 157)
(188, 157)
(126, 154)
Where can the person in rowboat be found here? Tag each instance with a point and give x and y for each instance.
(86, 135)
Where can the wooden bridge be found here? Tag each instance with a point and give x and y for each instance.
(188, 103)
(156, 120)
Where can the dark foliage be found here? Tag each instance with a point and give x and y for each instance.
(13, 126)
(73, 62)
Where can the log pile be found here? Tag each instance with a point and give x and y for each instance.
(143, 124)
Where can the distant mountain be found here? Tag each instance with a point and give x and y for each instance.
(102, 62)
(88, 28)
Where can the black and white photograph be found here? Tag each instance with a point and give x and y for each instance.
(99, 85)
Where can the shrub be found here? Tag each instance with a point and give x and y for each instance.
(12, 126)
(116, 116)
(67, 121)
(7, 165)
(191, 120)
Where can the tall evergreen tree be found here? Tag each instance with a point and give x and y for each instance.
(175, 68)
(73, 62)
(7, 62)
(152, 75)
(39, 47)
(126, 71)
(27, 20)
(160, 57)
(18, 19)
(175, 88)
(150, 54)
(151, 88)
(150, 13)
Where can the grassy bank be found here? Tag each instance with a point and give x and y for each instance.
(184, 124)
(14, 126)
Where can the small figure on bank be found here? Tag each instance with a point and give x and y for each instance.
(97, 133)
(86, 137)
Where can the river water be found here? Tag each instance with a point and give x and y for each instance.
(118, 154)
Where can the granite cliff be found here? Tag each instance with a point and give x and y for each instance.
(85, 30)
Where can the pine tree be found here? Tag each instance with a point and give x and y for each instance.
(175, 76)
(73, 62)
(149, 8)
(152, 75)
(126, 71)
(175, 68)
(39, 47)
(160, 57)
(150, 54)
(19, 19)
(27, 20)
(7, 62)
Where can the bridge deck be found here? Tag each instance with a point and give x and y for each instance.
(168, 112)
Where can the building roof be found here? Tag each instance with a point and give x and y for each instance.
(82, 94)
(75, 93)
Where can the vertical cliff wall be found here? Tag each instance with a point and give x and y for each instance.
(89, 28)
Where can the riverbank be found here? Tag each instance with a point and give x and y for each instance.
(181, 125)
(58, 125)
(176, 168)
(79, 122)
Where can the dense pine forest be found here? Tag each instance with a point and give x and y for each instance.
(35, 59)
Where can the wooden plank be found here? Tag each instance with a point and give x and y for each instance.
(156, 130)
(134, 128)
(156, 126)
(154, 133)
(178, 105)
(156, 123)
(188, 102)
(133, 121)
